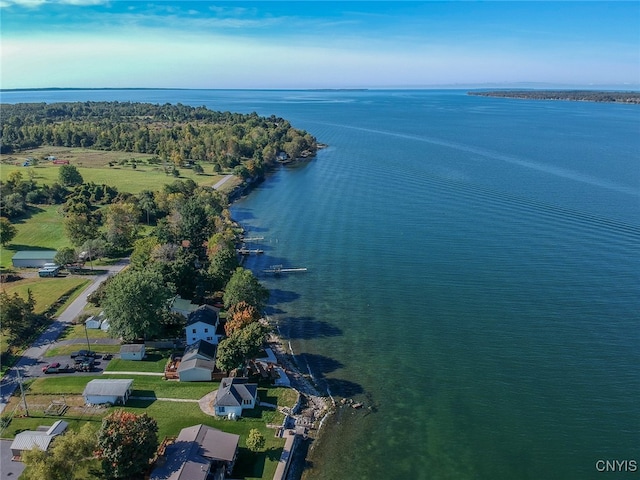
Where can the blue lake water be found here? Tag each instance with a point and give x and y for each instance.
(473, 277)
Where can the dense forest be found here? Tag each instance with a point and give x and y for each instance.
(574, 95)
(175, 133)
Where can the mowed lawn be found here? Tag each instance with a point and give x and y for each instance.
(260, 465)
(47, 291)
(42, 229)
(93, 165)
(153, 362)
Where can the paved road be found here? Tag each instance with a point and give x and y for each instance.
(29, 364)
(224, 180)
(9, 470)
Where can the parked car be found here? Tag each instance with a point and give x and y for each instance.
(83, 359)
(83, 353)
(57, 368)
(107, 356)
(50, 366)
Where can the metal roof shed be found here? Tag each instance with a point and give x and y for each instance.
(39, 438)
(33, 258)
(100, 391)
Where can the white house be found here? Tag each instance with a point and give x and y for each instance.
(40, 438)
(134, 351)
(100, 391)
(198, 362)
(233, 396)
(203, 324)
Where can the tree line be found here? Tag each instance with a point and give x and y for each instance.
(574, 95)
(174, 133)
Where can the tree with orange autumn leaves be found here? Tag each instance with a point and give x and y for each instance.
(126, 443)
(240, 315)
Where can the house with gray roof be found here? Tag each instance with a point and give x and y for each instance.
(40, 438)
(204, 324)
(113, 391)
(199, 453)
(233, 396)
(198, 362)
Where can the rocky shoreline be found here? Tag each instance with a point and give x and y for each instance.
(312, 409)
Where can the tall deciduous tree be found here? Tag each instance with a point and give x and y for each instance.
(240, 346)
(244, 287)
(135, 302)
(147, 203)
(17, 314)
(66, 256)
(126, 442)
(239, 316)
(80, 227)
(93, 248)
(69, 175)
(7, 231)
(66, 458)
(121, 224)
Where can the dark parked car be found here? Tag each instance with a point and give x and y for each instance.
(83, 359)
(83, 353)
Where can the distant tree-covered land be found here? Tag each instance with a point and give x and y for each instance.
(574, 95)
(246, 143)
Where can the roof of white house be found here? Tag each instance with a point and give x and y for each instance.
(108, 388)
(205, 314)
(233, 391)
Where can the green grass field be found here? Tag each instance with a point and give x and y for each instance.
(78, 331)
(67, 349)
(47, 291)
(43, 229)
(154, 362)
(93, 165)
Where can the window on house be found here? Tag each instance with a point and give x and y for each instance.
(206, 330)
(209, 338)
(221, 409)
(193, 331)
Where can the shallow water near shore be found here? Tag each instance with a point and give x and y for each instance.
(473, 277)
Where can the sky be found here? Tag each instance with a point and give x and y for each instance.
(309, 44)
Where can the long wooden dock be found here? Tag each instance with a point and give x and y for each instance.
(250, 251)
(279, 269)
